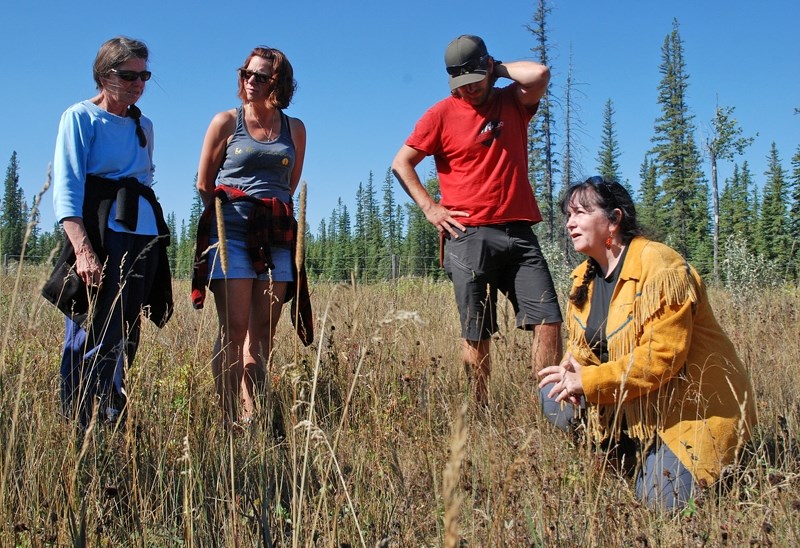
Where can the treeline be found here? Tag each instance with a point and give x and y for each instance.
(746, 227)
(15, 221)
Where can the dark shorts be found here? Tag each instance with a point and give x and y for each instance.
(504, 257)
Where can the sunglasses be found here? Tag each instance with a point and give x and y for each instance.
(132, 75)
(605, 189)
(481, 63)
(261, 78)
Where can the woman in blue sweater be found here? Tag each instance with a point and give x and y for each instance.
(115, 230)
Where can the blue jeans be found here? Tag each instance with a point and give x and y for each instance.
(662, 481)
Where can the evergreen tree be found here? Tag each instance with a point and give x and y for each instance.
(34, 252)
(649, 210)
(374, 251)
(316, 251)
(725, 141)
(389, 224)
(422, 240)
(367, 242)
(185, 246)
(402, 235)
(699, 240)
(726, 202)
(678, 159)
(342, 263)
(50, 242)
(608, 155)
(745, 207)
(793, 227)
(377, 259)
(755, 215)
(330, 272)
(360, 231)
(172, 250)
(181, 269)
(735, 217)
(12, 218)
(541, 162)
(773, 222)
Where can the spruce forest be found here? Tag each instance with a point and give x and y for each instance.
(714, 223)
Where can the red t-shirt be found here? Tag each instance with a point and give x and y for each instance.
(481, 156)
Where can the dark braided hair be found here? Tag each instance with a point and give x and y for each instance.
(609, 196)
(580, 294)
(135, 113)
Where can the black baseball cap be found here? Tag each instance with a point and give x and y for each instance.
(466, 60)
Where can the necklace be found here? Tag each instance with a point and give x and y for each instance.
(268, 135)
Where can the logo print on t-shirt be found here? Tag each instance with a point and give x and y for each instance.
(490, 132)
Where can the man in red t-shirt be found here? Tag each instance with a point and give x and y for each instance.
(478, 137)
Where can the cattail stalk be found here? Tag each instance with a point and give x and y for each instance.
(452, 477)
(223, 245)
(299, 252)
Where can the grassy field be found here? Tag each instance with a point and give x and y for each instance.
(367, 438)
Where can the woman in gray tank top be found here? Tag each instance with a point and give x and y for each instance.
(257, 149)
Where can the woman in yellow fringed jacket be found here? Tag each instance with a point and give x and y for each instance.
(646, 362)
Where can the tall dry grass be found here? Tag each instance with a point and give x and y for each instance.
(362, 440)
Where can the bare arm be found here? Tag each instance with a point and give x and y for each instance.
(532, 79)
(299, 139)
(404, 168)
(219, 131)
(87, 265)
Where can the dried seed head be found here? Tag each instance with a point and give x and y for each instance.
(223, 245)
(299, 253)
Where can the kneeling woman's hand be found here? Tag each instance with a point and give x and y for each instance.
(565, 379)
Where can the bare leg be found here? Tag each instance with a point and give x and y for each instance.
(253, 377)
(478, 363)
(547, 347)
(265, 312)
(232, 299)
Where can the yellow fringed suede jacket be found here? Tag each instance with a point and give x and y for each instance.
(672, 370)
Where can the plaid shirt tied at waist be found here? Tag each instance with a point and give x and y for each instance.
(271, 222)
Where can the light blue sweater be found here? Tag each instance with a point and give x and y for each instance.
(92, 141)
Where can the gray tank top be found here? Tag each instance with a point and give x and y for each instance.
(262, 169)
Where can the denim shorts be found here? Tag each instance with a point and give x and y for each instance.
(240, 265)
(505, 257)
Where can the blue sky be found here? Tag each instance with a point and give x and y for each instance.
(368, 69)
